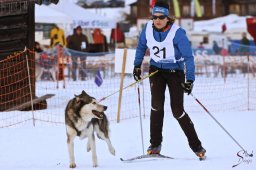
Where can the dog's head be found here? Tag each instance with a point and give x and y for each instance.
(89, 108)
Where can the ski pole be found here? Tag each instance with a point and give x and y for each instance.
(251, 155)
(143, 78)
(141, 128)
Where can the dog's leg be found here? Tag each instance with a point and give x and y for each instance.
(91, 140)
(71, 134)
(88, 146)
(102, 136)
(84, 135)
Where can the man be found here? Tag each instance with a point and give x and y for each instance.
(78, 43)
(57, 36)
(169, 51)
(117, 37)
(100, 41)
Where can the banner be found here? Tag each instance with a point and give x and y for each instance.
(176, 8)
(251, 27)
(198, 8)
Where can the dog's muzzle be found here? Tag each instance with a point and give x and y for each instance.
(99, 115)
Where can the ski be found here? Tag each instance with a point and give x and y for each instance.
(146, 156)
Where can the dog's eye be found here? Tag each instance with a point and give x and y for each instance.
(93, 102)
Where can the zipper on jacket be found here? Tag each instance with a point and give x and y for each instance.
(160, 36)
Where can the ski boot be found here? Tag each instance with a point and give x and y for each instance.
(201, 153)
(154, 149)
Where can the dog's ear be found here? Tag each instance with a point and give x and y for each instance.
(77, 99)
(83, 92)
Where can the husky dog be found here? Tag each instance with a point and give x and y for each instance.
(83, 117)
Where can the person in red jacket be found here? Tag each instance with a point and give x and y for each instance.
(100, 41)
(117, 37)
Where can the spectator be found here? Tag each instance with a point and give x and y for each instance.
(100, 41)
(78, 43)
(46, 64)
(245, 43)
(38, 51)
(57, 36)
(216, 48)
(69, 36)
(38, 48)
(117, 37)
(223, 27)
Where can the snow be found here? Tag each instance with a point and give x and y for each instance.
(44, 14)
(116, 14)
(233, 23)
(44, 146)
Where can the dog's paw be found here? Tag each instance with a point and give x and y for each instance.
(95, 164)
(112, 151)
(88, 148)
(94, 161)
(72, 165)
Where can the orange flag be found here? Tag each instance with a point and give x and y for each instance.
(251, 27)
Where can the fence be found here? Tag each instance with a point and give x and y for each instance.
(222, 84)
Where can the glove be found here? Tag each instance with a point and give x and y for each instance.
(137, 73)
(187, 86)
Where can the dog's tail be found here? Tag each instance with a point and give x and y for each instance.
(103, 125)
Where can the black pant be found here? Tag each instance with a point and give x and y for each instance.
(173, 80)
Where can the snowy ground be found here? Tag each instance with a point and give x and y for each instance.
(25, 147)
(44, 146)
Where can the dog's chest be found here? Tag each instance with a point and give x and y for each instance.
(81, 124)
(84, 127)
(87, 132)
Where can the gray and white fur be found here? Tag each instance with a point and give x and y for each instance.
(83, 117)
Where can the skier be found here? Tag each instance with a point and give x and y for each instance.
(169, 50)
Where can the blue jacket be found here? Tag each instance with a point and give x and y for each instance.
(182, 49)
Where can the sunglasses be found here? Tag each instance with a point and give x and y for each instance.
(161, 17)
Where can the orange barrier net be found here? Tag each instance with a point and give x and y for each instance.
(222, 86)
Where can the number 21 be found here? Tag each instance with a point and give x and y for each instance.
(157, 51)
